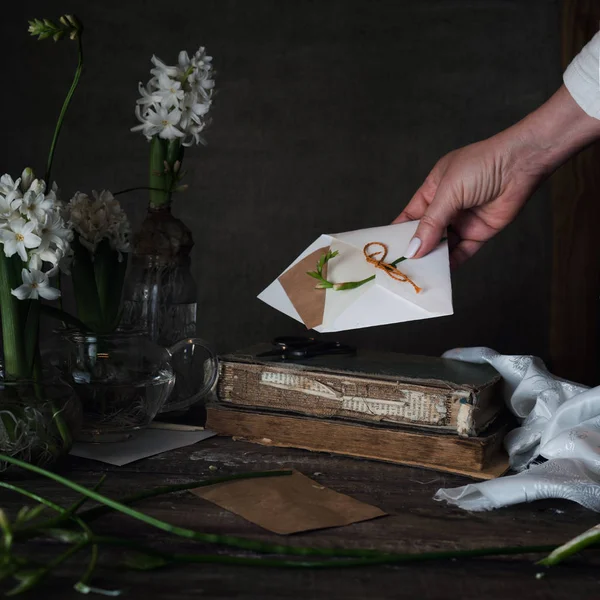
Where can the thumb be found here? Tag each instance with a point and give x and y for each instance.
(432, 225)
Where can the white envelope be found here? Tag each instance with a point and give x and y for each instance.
(379, 302)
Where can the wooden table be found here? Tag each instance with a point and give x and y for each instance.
(416, 523)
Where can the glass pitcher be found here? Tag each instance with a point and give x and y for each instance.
(124, 379)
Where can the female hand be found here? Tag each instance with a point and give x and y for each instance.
(479, 189)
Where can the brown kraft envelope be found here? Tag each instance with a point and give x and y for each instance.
(301, 290)
(288, 504)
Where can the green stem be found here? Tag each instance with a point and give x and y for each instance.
(32, 496)
(158, 156)
(65, 106)
(77, 505)
(591, 537)
(384, 559)
(99, 511)
(12, 328)
(208, 538)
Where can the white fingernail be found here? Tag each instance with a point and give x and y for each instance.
(413, 247)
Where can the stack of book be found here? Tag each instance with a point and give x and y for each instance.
(413, 410)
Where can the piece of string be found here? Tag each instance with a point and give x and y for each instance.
(390, 269)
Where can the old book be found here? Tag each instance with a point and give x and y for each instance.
(479, 457)
(369, 387)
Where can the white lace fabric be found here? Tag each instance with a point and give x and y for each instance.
(559, 422)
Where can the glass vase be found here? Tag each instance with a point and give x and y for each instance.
(160, 297)
(122, 379)
(38, 420)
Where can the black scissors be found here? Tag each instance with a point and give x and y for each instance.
(299, 348)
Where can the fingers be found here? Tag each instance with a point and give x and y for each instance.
(415, 209)
(432, 225)
(463, 251)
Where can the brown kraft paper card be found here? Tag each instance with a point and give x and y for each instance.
(300, 289)
(288, 504)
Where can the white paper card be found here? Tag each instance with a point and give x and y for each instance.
(148, 442)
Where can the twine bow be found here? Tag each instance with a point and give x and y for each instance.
(389, 268)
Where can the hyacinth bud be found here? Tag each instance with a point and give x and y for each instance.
(27, 178)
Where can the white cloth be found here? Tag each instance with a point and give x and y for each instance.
(582, 77)
(559, 421)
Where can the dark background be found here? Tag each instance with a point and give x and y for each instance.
(329, 115)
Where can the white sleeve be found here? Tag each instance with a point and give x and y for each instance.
(582, 77)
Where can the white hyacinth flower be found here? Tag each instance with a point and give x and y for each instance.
(31, 225)
(169, 91)
(176, 101)
(18, 237)
(35, 285)
(161, 122)
(99, 218)
(36, 204)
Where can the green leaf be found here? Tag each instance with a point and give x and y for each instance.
(27, 514)
(27, 578)
(109, 273)
(314, 274)
(6, 530)
(84, 286)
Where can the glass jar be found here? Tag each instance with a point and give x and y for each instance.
(160, 297)
(38, 419)
(122, 379)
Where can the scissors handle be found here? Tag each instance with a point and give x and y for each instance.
(294, 341)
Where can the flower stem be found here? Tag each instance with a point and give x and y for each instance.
(65, 106)
(99, 511)
(12, 329)
(333, 563)
(158, 156)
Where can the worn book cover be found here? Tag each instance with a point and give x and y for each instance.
(480, 457)
(370, 387)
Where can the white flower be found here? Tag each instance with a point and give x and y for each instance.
(99, 219)
(169, 91)
(18, 237)
(147, 96)
(7, 185)
(54, 231)
(161, 68)
(9, 206)
(176, 101)
(35, 204)
(162, 122)
(35, 285)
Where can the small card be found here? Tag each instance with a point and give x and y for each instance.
(148, 442)
(288, 504)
